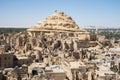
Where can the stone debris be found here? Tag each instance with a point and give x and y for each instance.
(58, 49)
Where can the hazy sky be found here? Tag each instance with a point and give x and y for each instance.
(84, 12)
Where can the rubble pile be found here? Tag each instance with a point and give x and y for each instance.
(57, 49)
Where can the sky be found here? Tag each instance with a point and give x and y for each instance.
(26, 13)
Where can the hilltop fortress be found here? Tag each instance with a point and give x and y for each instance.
(61, 24)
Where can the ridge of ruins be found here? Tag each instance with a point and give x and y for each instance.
(57, 21)
(58, 49)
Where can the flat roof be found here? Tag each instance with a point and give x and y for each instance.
(55, 68)
(21, 56)
(115, 49)
(103, 73)
(76, 64)
(37, 65)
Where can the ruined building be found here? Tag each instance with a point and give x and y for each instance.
(56, 48)
(59, 23)
(63, 28)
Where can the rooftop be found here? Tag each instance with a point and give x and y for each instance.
(76, 64)
(55, 68)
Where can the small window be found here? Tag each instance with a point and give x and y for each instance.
(4, 64)
(71, 34)
(23, 62)
(9, 57)
(8, 64)
(5, 58)
(27, 62)
(0, 61)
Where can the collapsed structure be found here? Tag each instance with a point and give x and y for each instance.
(57, 49)
(61, 24)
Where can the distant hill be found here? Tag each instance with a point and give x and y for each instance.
(100, 27)
(9, 30)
